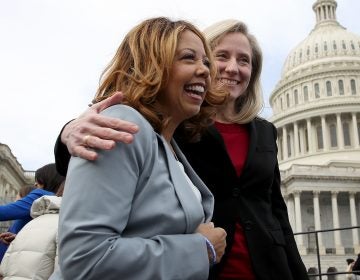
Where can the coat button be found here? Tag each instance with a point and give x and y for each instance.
(248, 225)
(236, 192)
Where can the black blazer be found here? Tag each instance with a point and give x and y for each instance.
(254, 200)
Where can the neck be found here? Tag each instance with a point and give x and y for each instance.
(168, 132)
(225, 113)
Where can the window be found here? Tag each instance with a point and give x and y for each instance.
(281, 103)
(317, 90)
(343, 45)
(328, 88)
(325, 46)
(296, 97)
(341, 87)
(320, 141)
(334, 45)
(306, 94)
(352, 45)
(353, 87)
(288, 145)
(333, 139)
(287, 100)
(316, 48)
(306, 140)
(346, 132)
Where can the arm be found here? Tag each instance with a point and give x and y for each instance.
(98, 212)
(103, 132)
(19, 209)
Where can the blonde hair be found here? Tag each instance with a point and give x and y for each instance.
(249, 104)
(141, 69)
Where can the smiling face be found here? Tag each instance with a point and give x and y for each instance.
(188, 80)
(233, 58)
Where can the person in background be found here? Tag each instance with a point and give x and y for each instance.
(141, 212)
(7, 237)
(356, 267)
(350, 264)
(34, 252)
(47, 182)
(236, 158)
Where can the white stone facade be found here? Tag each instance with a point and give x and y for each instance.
(316, 109)
(12, 177)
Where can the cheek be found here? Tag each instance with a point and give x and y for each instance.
(248, 73)
(220, 66)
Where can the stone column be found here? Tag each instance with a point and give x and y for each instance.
(317, 221)
(324, 133)
(337, 234)
(298, 224)
(302, 141)
(355, 131)
(296, 139)
(310, 143)
(291, 209)
(353, 218)
(339, 131)
(285, 144)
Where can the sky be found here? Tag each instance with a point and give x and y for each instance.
(52, 54)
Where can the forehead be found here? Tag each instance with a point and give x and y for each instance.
(189, 40)
(234, 42)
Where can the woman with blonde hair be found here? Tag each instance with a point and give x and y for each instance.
(236, 158)
(141, 212)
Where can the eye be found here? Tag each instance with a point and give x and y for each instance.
(221, 55)
(188, 56)
(244, 60)
(207, 63)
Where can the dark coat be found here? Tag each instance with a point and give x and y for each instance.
(254, 200)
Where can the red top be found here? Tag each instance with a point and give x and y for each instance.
(238, 264)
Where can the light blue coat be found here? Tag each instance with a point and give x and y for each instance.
(131, 213)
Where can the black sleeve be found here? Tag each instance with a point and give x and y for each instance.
(62, 155)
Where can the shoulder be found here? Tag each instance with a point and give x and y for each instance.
(126, 113)
(146, 132)
(263, 122)
(265, 126)
(45, 205)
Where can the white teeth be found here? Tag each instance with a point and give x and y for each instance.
(196, 88)
(228, 82)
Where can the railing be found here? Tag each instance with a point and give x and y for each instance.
(316, 232)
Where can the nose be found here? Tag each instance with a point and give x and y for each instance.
(202, 70)
(232, 66)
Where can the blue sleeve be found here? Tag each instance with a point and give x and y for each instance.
(20, 209)
(18, 225)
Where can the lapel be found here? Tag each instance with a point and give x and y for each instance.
(193, 209)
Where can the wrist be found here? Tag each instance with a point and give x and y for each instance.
(211, 252)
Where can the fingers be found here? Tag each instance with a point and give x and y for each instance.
(92, 130)
(85, 153)
(109, 128)
(116, 98)
(217, 237)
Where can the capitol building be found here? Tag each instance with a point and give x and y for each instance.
(316, 110)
